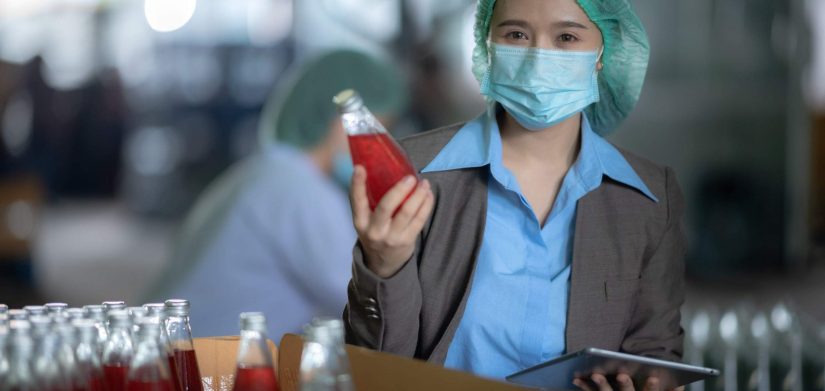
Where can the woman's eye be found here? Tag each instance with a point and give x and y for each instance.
(567, 38)
(516, 35)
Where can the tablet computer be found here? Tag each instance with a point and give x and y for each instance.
(558, 374)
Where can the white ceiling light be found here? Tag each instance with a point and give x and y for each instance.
(168, 15)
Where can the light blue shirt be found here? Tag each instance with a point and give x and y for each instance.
(273, 234)
(516, 313)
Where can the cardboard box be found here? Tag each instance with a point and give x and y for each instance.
(371, 371)
(216, 361)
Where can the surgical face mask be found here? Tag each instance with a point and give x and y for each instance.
(342, 169)
(541, 87)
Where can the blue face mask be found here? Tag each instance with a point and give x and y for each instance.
(342, 169)
(541, 87)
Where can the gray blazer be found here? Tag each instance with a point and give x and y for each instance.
(627, 278)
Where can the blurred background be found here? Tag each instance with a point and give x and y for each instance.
(115, 115)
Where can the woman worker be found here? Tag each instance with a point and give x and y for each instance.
(529, 235)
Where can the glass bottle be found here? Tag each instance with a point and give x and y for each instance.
(180, 338)
(89, 367)
(34, 310)
(53, 308)
(18, 314)
(372, 147)
(255, 371)
(119, 350)
(157, 310)
(109, 306)
(150, 368)
(66, 359)
(20, 349)
(47, 371)
(4, 315)
(97, 313)
(135, 313)
(324, 362)
(75, 313)
(4, 359)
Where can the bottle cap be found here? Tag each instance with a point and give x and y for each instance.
(179, 307)
(348, 101)
(114, 305)
(35, 309)
(253, 321)
(56, 307)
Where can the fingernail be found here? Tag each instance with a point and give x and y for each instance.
(408, 180)
(596, 379)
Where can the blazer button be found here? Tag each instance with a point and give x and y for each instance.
(371, 301)
(371, 309)
(373, 316)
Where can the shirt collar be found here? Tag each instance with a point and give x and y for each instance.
(478, 143)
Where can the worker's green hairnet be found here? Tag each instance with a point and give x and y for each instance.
(300, 112)
(626, 52)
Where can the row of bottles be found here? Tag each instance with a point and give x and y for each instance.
(106, 347)
(112, 347)
(777, 349)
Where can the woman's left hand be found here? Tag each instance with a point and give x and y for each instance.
(624, 381)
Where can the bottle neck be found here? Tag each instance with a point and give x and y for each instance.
(254, 350)
(179, 332)
(361, 122)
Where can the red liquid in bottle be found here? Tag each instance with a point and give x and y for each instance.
(173, 373)
(187, 368)
(96, 383)
(385, 162)
(114, 377)
(160, 385)
(256, 379)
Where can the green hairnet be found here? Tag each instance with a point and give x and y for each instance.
(626, 52)
(300, 113)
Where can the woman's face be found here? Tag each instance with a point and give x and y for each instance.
(545, 24)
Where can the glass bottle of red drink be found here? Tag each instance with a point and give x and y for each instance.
(157, 310)
(119, 350)
(20, 349)
(89, 367)
(180, 338)
(255, 371)
(150, 368)
(372, 147)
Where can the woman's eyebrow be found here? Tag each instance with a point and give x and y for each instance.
(569, 24)
(513, 22)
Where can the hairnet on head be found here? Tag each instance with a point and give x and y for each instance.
(625, 58)
(299, 113)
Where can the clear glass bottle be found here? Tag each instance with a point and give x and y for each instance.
(4, 315)
(54, 308)
(46, 369)
(97, 313)
(109, 306)
(158, 310)
(35, 310)
(119, 350)
(180, 338)
(324, 362)
(18, 314)
(255, 371)
(66, 359)
(89, 366)
(4, 358)
(75, 313)
(150, 368)
(372, 147)
(20, 349)
(135, 313)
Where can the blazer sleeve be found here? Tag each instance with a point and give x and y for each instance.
(655, 328)
(383, 313)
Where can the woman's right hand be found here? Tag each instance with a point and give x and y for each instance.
(388, 242)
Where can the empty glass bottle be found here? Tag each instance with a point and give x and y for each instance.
(109, 306)
(372, 147)
(18, 314)
(119, 350)
(46, 369)
(89, 367)
(35, 310)
(20, 349)
(66, 355)
(324, 362)
(180, 337)
(4, 358)
(4, 315)
(97, 313)
(150, 368)
(255, 371)
(76, 313)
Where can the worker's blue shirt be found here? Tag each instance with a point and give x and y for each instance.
(516, 313)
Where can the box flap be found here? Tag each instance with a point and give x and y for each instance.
(373, 370)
